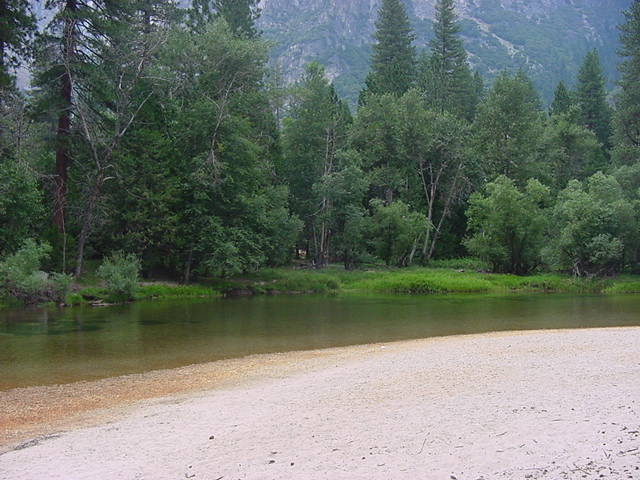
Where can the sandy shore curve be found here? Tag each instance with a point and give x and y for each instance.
(522, 405)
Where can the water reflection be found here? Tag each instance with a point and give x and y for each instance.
(44, 346)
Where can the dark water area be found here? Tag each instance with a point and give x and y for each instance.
(49, 346)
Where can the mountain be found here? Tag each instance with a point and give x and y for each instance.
(546, 38)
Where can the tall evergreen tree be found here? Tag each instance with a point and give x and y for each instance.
(445, 75)
(627, 119)
(562, 100)
(241, 15)
(313, 134)
(17, 25)
(591, 96)
(393, 63)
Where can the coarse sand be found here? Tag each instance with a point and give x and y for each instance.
(525, 405)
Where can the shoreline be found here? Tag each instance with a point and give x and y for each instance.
(374, 380)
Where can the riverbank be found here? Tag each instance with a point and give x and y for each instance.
(553, 404)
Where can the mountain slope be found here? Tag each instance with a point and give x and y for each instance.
(547, 38)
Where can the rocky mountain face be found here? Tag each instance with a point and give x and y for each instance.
(546, 38)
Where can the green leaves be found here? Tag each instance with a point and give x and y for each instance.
(508, 225)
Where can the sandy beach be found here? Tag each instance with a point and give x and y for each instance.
(526, 405)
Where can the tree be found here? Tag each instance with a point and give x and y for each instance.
(436, 159)
(508, 128)
(313, 134)
(562, 100)
(21, 208)
(375, 136)
(17, 26)
(445, 77)
(396, 232)
(592, 226)
(569, 151)
(627, 117)
(241, 15)
(591, 98)
(508, 225)
(393, 60)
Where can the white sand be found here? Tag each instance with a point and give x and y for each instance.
(552, 405)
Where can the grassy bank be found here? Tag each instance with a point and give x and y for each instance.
(146, 291)
(425, 281)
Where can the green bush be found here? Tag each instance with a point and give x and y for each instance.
(120, 272)
(22, 279)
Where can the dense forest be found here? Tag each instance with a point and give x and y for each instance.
(163, 133)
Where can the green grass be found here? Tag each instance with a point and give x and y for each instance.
(623, 287)
(154, 291)
(428, 280)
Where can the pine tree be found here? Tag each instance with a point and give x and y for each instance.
(313, 134)
(17, 25)
(446, 78)
(241, 15)
(393, 62)
(562, 100)
(627, 119)
(591, 96)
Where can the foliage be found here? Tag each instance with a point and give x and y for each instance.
(593, 223)
(393, 61)
(508, 128)
(17, 26)
(569, 151)
(21, 208)
(562, 100)
(121, 274)
(22, 279)
(591, 98)
(396, 232)
(508, 225)
(627, 116)
(445, 77)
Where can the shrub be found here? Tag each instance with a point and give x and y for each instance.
(22, 279)
(120, 273)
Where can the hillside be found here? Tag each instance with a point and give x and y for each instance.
(548, 38)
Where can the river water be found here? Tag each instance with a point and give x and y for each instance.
(49, 346)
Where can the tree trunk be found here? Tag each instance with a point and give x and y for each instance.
(63, 157)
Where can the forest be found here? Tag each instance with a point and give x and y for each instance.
(160, 139)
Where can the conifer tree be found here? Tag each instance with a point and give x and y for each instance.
(627, 119)
(591, 96)
(445, 75)
(17, 25)
(241, 15)
(393, 62)
(562, 100)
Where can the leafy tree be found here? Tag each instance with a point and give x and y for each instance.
(393, 62)
(508, 128)
(627, 117)
(593, 225)
(591, 97)
(508, 225)
(433, 145)
(313, 134)
(445, 77)
(345, 190)
(17, 26)
(396, 232)
(570, 151)
(21, 208)
(562, 100)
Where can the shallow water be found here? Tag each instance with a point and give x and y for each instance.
(48, 346)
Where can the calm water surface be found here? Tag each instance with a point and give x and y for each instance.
(39, 347)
